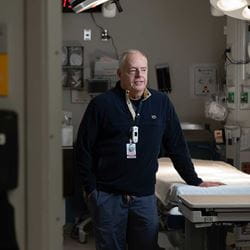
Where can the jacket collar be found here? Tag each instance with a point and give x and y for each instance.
(146, 93)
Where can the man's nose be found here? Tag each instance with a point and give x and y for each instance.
(138, 72)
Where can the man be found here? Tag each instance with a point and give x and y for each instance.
(118, 144)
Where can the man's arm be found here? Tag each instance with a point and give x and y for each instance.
(176, 148)
(86, 139)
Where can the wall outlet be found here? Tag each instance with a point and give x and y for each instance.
(86, 34)
(105, 35)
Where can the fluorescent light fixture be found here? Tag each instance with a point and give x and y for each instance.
(246, 12)
(230, 5)
(81, 5)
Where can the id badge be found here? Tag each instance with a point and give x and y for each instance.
(131, 150)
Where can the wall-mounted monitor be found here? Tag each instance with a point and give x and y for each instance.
(97, 86)
(163, 77)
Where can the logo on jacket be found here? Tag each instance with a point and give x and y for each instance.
(153, 117)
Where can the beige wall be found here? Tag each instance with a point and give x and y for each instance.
(11, 14)
(180, 33)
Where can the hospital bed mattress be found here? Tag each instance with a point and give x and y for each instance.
(169, 185)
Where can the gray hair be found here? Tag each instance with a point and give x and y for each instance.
(125, 54)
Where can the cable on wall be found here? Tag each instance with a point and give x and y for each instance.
(107, 36)
(232, 61)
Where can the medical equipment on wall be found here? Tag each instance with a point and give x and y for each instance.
(238, 146)
(232, 134)
(72, 65)
(106, 68)
(97, 86)
(237, 65)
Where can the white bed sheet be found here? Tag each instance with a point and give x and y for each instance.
(169, 184)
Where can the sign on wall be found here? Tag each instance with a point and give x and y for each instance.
(3, 61)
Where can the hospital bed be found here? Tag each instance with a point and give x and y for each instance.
(209, 211)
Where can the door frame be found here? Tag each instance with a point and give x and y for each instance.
(44, 200)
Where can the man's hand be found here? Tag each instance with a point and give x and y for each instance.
(211, 184)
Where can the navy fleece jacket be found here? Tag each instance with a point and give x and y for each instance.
(104, 132)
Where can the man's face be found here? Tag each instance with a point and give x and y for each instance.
(134, 73)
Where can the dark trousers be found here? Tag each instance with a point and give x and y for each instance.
(124, 222)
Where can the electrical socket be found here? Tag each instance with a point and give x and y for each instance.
(86, 34)
(105, 35)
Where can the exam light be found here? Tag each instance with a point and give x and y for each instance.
(229, 5)
(82, 5)
(216, 12)
(246, 12)
(238, 9)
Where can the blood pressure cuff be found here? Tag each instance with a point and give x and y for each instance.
(7, 224)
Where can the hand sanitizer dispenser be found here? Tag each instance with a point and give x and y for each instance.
(67, 129)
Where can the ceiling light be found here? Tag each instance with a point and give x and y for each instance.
(230, 5)
(216, 12)
(81, 5)
(235, 8)
(246, 12)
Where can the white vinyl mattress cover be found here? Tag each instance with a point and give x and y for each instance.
(169, 184)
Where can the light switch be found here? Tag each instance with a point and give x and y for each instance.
(86, 34)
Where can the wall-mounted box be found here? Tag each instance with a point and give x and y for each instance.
(231, 97)
(203, 79)
(245, 97)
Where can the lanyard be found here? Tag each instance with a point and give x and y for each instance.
(135, 114)
(134, 131)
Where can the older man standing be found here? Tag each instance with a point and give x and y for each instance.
(118, 144)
